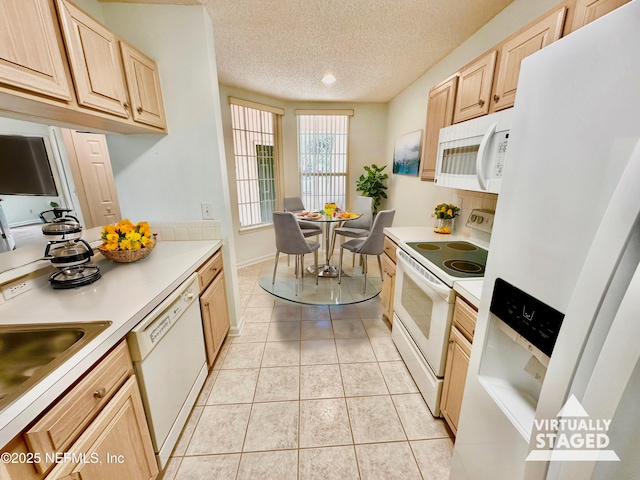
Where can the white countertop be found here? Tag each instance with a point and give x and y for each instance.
(124, 295)
(470, 290)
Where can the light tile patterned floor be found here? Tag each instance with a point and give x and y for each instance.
(310, 392)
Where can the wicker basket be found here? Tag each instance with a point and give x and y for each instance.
(126, 256)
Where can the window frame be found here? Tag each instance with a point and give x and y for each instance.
(278, 182)
(347, 133)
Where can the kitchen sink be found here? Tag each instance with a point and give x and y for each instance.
(28, 353)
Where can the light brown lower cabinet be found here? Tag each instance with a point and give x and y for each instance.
(388, 286)
(215, 316)
(457, 364)
(116, 445)
(388, 259)
(97, 430)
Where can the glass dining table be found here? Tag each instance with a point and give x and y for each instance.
(326, 270)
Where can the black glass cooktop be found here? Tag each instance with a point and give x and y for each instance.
(457, 259)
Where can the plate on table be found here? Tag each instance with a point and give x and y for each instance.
(314, 216)
(302, 214)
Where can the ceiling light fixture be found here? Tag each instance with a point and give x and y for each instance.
(328, 79)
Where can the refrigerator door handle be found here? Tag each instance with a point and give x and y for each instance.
(482, 180)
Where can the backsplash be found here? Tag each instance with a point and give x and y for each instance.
(468, 201)
(177, 231)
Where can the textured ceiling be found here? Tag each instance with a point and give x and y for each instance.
(375, 48)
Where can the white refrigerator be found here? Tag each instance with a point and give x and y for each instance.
(567, 235)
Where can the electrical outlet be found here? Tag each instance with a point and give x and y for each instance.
(11, 290)
(207, 211)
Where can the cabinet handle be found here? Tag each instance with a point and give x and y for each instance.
(481, 102)
(100, 393)
(125, 104)
(206, 305)
(496, 97)
(451, 340)
(214, 269)
(139, 109)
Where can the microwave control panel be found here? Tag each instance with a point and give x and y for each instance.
(502, 139)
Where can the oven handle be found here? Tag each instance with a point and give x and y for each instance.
(427, 277)
(481, 154)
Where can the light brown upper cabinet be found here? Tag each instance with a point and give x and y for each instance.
(439, 114)
(588, 10)
(521, 45)
(143, 81)
(474, 88)
(95, 61)
(30, 56)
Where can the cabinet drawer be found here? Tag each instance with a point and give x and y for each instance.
(464, 317)
(62, 425)
(210, 270)
(390, 248)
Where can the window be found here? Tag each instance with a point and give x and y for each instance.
(323, 141)
(255, 136)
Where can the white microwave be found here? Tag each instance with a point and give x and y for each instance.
(471, 154)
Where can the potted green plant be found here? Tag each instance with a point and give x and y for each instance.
(372, 185)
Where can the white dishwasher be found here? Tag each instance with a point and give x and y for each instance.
(168, 353)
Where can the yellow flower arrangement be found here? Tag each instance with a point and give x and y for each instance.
(444, 210)
(126, 236)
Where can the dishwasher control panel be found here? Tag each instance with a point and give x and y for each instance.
(157, 324)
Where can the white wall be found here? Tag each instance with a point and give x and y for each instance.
(413, 199)
(367, 129)
(166, 178)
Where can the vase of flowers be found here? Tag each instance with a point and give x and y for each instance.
(126, 242)
(445, 215)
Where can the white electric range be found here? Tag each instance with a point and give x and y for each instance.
(428, 264)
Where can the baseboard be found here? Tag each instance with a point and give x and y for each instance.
(254, 261)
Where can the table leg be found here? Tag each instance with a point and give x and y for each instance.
(328, 271)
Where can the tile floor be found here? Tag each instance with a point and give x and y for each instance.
(310, 392)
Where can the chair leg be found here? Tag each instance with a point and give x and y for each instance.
(275, 267)
(301, 272)
(380, 267)
(365, 268)
(333, 244)
(315, 259)
(340, 266)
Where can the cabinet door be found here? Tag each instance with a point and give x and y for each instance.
(388, 286)
(143, 81)
(439, 114)
(95, 61)
(215, 316)
(464, 317)
(474, 88)
(589, 10)
(455, 376)
(526, 42)
(30, 55)
(116, 445)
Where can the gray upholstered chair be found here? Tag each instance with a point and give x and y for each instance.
(358, 227)
(371, 245)
(289, 240)
(295, 205)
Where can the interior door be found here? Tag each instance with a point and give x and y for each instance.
(93, 177)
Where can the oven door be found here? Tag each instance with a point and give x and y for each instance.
(424, 305)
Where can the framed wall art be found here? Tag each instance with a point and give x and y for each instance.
(406, 154)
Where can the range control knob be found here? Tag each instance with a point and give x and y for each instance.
(474, 218)
(480, 219)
